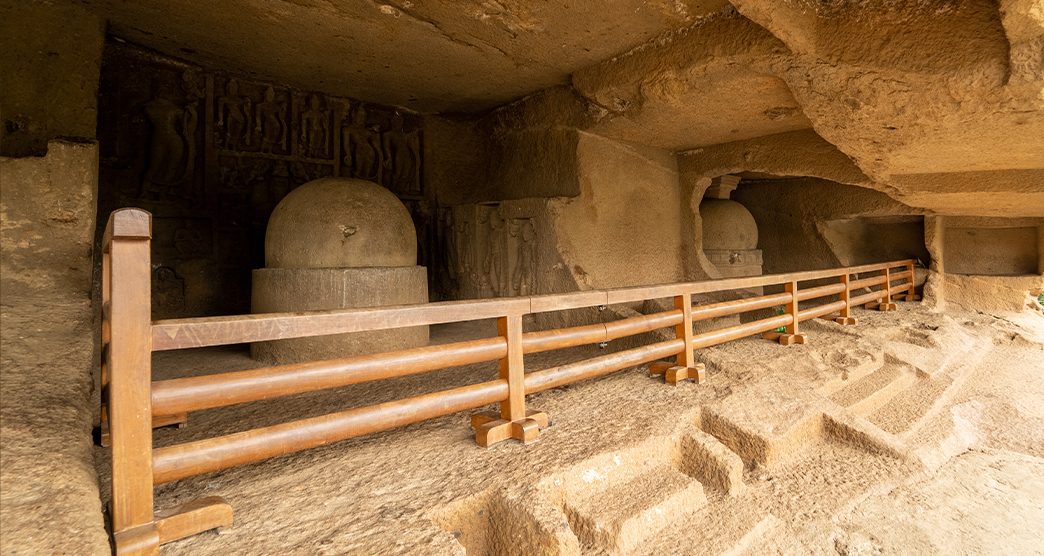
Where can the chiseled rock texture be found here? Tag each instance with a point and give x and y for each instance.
(48, 485)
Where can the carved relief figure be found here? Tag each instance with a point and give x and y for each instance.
(463, 237)
(449, 247)
(314, 129)
(401, 157)
(269, 123)
(232, 114)
(481, 270)
(496, 253)
(168, 290)
(525, 270)
(194, 90)
(362, 148)
(171, 143)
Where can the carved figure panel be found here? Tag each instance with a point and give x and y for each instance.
(211, 154)
(491, 250)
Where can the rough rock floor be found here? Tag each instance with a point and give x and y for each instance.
(912, 432)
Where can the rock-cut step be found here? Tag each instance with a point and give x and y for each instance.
(904, 411)
(615, 517)
(868, 394)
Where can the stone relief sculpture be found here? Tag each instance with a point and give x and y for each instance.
(168, 290)
(270, 123)
(223, 151)
(232, 115)
(463, 237)
(172, 149)
(447, 256)
(401, 153)
(481, 271)
(496, 254)
(493, 249)
(525, 263)
(362, 147)
(314, 128)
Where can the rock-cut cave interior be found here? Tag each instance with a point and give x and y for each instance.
(556, 277)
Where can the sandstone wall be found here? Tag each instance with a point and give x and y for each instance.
(48, 485)
(49, 64)
(987, 264)
(809, 223)
(624, 229)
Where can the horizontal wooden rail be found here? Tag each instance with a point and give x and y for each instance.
(547, 340)
(820, 291)
(538, 381)
(868, 297)
(133, 403)
(866, 282)
(722, 335)
(735, 307)
(905, 287)
(213, 331)
(203, 456)
(182, 395)
(820, 310)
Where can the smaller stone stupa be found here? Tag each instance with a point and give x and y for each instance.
(337, 243)
(730, 234)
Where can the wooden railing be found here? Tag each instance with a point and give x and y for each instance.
(134, 403)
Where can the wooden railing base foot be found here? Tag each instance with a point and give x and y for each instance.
(192, 518)
(673, 373)
(881, 306)
(846, 321)
(142, 540)
(660, 367)
(491, 428)
(913, 297)
(785, 339)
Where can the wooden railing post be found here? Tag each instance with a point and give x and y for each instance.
(886, 303)
(514, 421)
(846, 317)
(127, 383)
(910, 294)
(685, 365)
(106, 288)
(129, 378)
(792, 334)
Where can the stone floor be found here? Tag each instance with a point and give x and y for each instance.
(878, 438)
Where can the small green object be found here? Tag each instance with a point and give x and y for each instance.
(781, 311)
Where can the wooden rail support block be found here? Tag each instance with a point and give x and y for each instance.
(678, 373)
(659, 368)
(192, 518)
(785, 339)
(491, 428)
(882, 306)
(846, 321)
(143, 540)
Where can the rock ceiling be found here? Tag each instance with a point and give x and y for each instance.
(427, 55)
(910, 92)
